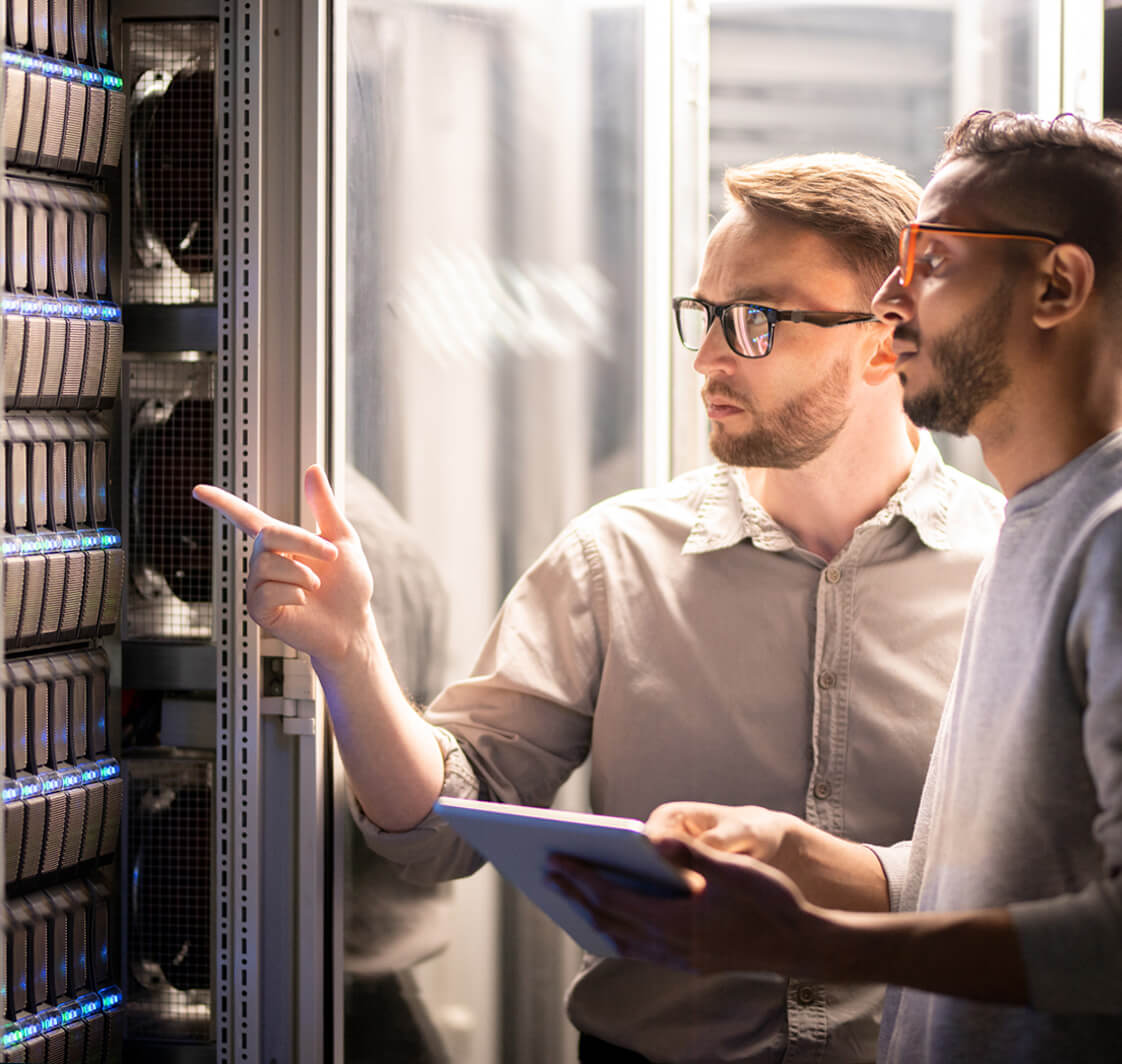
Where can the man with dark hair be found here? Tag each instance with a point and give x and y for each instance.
(779, 627)
(1005, 936)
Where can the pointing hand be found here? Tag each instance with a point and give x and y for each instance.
(312, 591)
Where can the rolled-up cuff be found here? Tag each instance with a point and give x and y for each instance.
(416, 844)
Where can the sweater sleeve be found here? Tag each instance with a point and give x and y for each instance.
(894, 863)
(1072, 944)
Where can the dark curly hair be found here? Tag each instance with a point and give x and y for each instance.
(1060, 175)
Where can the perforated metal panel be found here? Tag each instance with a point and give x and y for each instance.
(170, 828)
(171, 114)
(238, 770)
(169, 409)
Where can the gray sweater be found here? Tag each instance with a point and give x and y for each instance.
(1023, 801)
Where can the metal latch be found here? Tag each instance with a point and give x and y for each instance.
(289, 687)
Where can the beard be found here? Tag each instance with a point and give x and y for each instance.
(970, 367)
(791, 436)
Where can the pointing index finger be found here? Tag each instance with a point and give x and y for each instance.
(237, 511)
(282, 538)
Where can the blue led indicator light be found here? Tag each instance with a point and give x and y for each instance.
(89, 1003)
(110, 996)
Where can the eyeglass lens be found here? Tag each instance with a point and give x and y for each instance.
(907, 254)
(913, 235)
(745, 327)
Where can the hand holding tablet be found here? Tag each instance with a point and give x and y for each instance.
(518, 840)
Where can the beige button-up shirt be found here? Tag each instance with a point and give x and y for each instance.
(679, 640)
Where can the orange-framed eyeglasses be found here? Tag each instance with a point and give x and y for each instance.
(911, 239)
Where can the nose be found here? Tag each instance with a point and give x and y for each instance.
(893, 301)
(714, 355)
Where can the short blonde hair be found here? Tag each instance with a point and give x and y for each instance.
(857, 202)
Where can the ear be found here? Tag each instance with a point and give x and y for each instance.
(882, 363)
(1065, 283)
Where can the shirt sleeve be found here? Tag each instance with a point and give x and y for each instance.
(522, 722)
(1072, 944)
(418, 845)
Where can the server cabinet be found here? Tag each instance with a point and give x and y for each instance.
(161, 807)
(63, 563)
(226, 770)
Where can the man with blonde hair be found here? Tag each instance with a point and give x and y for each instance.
(778, 628)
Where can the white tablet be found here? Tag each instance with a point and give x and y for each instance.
(518, 839)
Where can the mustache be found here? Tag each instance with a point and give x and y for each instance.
(906, 334)
(720, 390)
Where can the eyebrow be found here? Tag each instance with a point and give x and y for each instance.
(759, 296)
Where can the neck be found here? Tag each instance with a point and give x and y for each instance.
(821, 503)
(1048, 419)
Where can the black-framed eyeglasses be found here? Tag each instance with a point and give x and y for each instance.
(749, 328)
(912, 240)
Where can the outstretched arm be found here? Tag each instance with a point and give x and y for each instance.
(747, 915)
(312, 591)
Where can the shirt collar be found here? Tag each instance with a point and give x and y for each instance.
(728, 512)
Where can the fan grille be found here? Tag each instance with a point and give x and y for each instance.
(170, 75)
(170, 828)
(169, 403)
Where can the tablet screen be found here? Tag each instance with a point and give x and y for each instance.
(518, 840)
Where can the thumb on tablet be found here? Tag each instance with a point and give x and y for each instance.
(685, 857)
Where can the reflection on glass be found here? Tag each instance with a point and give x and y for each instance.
(881, 78)
(494, 268)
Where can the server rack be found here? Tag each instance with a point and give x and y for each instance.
(63, 562)
(161, 805)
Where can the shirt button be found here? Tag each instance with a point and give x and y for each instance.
(806, 995)
(826, 680)
(822, 789)
(833, 574)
